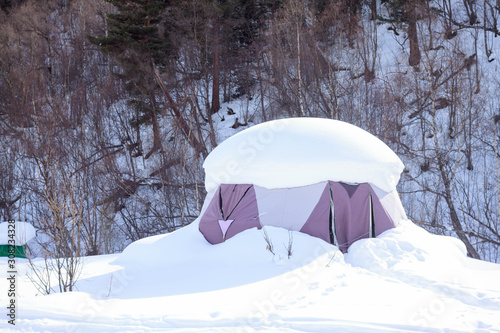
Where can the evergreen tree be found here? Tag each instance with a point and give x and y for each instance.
(242, 24)
(134, 39)
(134, 31)
(225, 31)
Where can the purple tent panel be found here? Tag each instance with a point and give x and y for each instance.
(317, 224)
(354, 208)
(230, 202)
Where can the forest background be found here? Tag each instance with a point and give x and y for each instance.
(108, 108)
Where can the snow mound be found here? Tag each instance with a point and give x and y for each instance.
(409, 248)
(302, 151)
(182, 262)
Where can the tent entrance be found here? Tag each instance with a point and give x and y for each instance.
(232, 210)
(333, 233)
(346, 213)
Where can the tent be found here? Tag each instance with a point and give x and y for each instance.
(13, 238)
(305, 174)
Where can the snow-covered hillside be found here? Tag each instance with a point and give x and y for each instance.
(407, 280)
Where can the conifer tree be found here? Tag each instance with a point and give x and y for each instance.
(241, 23)
(134, 30)
(134, 39)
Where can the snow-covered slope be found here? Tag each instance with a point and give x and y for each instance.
(407, 280)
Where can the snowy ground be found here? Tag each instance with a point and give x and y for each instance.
(407, 280)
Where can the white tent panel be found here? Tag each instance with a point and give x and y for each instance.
(392, 204)
(288, 208)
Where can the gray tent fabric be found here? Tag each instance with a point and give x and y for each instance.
(342, 214)
(231, 202)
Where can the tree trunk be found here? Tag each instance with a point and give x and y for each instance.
(373, 8)
(415, 56)
(216, 74)
(299, 73)
(455, 221)
(156, 128)
(156, 134)
(180, 121)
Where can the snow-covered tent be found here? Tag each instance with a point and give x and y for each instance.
(13, 238)
(323, 177)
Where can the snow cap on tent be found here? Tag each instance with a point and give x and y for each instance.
(302, 151)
